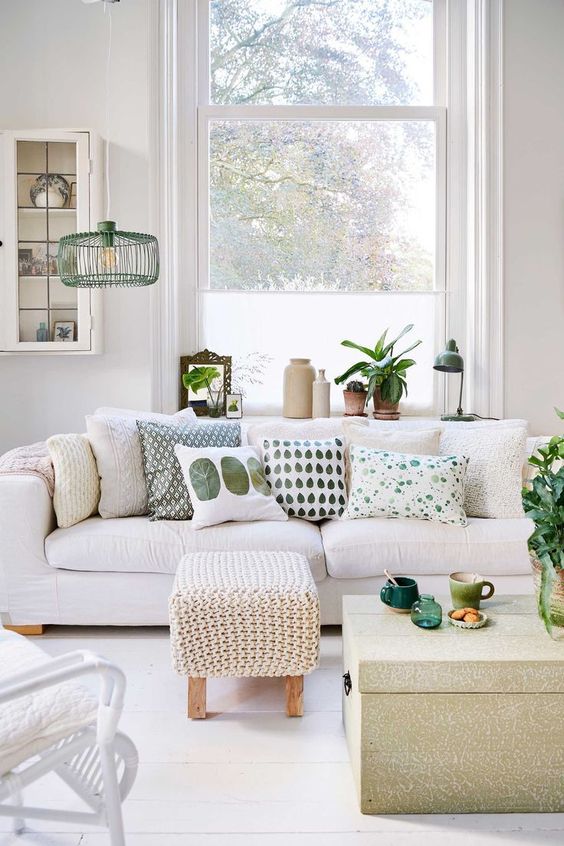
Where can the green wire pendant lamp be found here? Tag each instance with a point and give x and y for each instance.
(107, 258)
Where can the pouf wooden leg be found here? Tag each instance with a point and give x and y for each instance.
(196, 698)
(294, 696)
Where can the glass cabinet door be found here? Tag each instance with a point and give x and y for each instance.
(46, 175)
(50, 198)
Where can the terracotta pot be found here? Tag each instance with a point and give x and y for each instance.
(385, 410)
(354, 403)
(556, 597)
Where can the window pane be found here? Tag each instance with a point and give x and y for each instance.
(374, 52)
(262, 330)
(322, 205)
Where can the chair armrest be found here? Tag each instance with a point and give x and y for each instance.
(66, 668)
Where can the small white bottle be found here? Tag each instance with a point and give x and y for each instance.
(321, 396)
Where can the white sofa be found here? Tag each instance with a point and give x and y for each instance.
(120, 571)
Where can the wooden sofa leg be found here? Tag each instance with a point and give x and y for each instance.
(196, 698)
(27, 630)
(294, 696)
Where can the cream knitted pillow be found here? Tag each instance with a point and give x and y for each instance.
(77, 485)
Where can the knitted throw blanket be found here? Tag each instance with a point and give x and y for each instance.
(32, 460)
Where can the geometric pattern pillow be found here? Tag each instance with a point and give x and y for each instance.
(395, 484)
(307, 477)
(166, 489)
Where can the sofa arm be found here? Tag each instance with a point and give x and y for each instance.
(27, 582)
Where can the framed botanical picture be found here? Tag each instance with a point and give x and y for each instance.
(233, 406)
(205, 381)
(63, 330)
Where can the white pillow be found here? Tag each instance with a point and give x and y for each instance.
(116, 446)
(395, 484)
(420, 441)
(318, 429)
(227, 483)
(494, 477)
(77, 486)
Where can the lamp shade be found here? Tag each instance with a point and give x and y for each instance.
(449, 360)
(108, 258)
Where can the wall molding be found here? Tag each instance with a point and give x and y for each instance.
(485, 285)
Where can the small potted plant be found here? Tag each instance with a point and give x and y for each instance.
(386, 373)
(355, 399)
(204, 377)
(543, 501)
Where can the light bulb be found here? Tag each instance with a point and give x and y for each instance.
(109, 259)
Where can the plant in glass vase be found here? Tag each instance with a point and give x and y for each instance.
(208, 378)
(386, 373)
(543, 500)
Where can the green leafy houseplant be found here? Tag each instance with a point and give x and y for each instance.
(383, 369)
(543, 501)
(199, 378)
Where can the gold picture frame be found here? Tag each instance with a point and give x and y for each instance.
(205, 357)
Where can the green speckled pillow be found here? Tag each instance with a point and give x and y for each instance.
(395, 484)
(307, 477)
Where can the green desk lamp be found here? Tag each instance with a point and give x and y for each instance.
(450, 361)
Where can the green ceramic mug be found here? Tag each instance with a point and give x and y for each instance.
(400, 597)
(466, 589)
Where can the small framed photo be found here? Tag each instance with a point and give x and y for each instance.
(233, 405)
(63, 330)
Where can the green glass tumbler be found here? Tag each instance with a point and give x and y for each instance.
(426, 613)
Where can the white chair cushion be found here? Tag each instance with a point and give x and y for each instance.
(137, 545)
(35, 721)
(357, 549)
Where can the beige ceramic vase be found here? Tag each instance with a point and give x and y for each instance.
(321, 396)
(299, 376)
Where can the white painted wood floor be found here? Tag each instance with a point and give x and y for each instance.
(247, 776)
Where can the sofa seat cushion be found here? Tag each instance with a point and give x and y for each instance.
(357, 549)
(138, 545)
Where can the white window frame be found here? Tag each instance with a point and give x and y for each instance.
(467, 81)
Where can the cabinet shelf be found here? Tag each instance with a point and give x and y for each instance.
(42, 210)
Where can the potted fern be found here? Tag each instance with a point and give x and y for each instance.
(543, 501)
(385, 371)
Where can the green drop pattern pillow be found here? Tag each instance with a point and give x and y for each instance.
(166, 489)
(396, 484)
(307, 477)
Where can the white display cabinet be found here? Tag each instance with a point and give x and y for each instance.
(50, 188)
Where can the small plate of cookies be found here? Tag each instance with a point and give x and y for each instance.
(468, 618)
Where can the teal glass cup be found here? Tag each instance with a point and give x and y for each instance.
(400, 597)
(426, 613)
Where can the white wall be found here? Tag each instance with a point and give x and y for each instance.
(534, 211)
(52, 55)
(52, 65)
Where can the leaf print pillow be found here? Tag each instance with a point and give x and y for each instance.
(227, 483)
(307, 477)
(395, 484)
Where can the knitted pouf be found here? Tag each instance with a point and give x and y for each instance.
(244, 614)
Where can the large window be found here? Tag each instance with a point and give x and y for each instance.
(321, 207)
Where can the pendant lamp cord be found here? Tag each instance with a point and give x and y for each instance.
(108, 12)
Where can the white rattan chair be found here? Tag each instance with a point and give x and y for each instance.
(96, 761)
